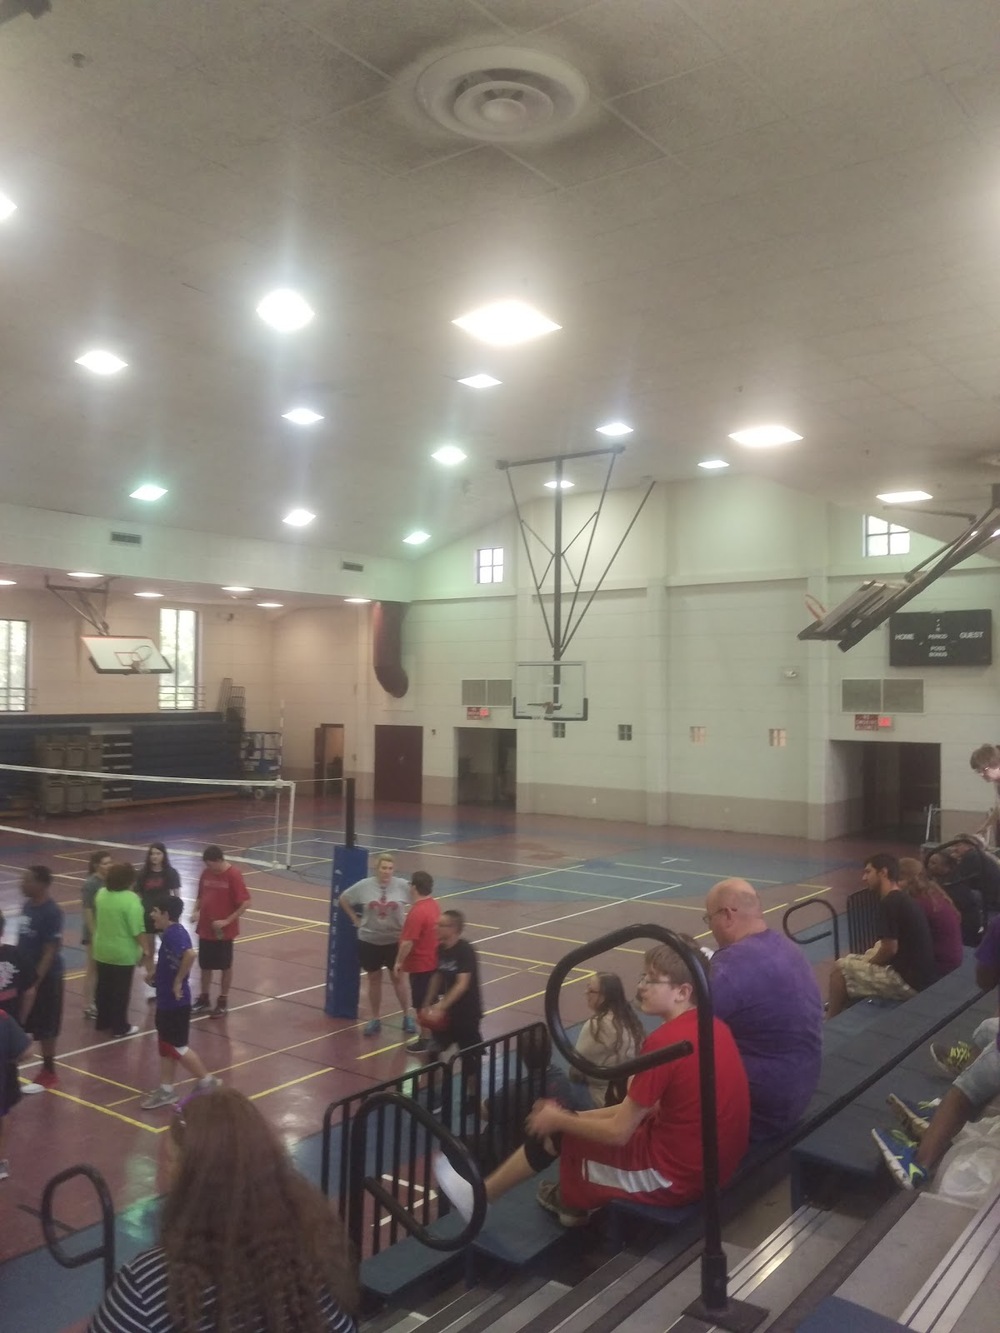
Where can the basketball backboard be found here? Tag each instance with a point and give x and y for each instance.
(550, 691)
(118, 655)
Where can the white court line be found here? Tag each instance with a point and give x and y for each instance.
(601, 907)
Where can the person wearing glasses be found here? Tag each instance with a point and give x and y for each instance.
(985, 760)
(648, 1147)
(610, 1036)
(764, 988)
(245, 1242)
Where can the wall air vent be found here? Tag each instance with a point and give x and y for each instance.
(126, 538)
(353, 566)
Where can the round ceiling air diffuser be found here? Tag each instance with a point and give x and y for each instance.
(502, 94)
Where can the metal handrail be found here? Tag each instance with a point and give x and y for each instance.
(106, 1250)
(714, 1276)
(825, 934)
(360, 1182)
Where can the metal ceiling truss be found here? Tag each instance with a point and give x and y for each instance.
(562, 629)
(81, 600)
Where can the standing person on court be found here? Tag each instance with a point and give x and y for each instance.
(155, 877)
(222, 899)
(418, 945)
(40, 941)
(120, 942)
(16, 976)
(97, 870)
(764, 989)
(453, 994)
(173, 1002)
(377, 906)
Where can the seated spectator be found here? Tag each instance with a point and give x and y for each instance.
(941, 913)
(912, 1159)
(955, 1059)
(901, 962)
(611, 1035)
(942, 868)
(765, 990)
(977, 866)
(648, 1147)
(245, 1241)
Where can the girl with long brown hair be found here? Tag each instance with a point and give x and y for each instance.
(942, 915)
(611, 1035)
(247, 1245)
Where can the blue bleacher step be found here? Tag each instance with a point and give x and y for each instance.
(838, 1316)
(517, 1229)
(398, 1267)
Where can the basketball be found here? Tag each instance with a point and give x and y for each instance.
(435, 1020)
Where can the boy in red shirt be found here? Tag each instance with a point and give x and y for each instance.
(648, 1147)
(222, 899)
(418, 945)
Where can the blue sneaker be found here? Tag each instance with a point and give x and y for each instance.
(373, 1026)
(900, 1154)
(409, 1024)
(913, 1116)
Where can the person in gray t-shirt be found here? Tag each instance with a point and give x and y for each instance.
(377, 906)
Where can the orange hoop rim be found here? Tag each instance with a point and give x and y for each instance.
(815, 607)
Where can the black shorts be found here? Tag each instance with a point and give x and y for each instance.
(419, 986)
(373, 957)
(173, 1027)
(215, 955)
(45, 1019)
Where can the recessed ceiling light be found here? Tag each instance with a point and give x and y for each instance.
(759, 437)
(236, 587)
(147, 491)
(8, 583)
(271, 606)
(302, 416)
(298, 518)
(713, 464)
(101, 363)
(449, 455)
(149, 594)
(7, 206)
(285, 310)
(505, 323)
(480, 381)
(615, 429)
(358, 601)
(417, 538)
(903, 497)
(81, 574)
(564, 485)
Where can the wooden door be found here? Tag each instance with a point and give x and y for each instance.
(399, 764)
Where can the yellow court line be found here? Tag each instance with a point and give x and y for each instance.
(702, 874)
(513, 957)
(73, 976)
(87, 1073)
(395, 1046)
(285, 916)
(280, 893)
(512, 1004)
(538, 935)
(825, 888)
(270, 934)
(304, 1078)
(105, 1110)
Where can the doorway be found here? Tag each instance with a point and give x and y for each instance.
(890, 785)
(399, 764)
(486, 766)
(328, 757)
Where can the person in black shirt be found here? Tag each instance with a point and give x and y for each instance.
(901, 962)
(17, 976)
(454, 988)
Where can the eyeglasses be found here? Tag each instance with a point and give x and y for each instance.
(707, 916)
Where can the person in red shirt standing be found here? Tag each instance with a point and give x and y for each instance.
(418, 945)
(222, 899)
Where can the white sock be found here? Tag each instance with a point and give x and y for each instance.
(456, 1189)
(167, 1087)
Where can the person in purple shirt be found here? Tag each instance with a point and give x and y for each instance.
(764, 989)
(173, 1002)
(912, 1160)
(942, 915)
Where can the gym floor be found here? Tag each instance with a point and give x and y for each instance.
(531, 888)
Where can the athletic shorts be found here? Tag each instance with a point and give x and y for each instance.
(45, 1019)
(873, 980)
(215, 955)
(172, 1028)
(373, 957)
(419, 984)
(981, 1081)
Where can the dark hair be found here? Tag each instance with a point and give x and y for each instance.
(422, 882)
(614, 1005)
(534, 1048)
(160, 848)
(667, 963)
(885, 861)
(120, 876)
(985, 756)
(246, 1239)
(455, 917)
(96, 857)
(41, 875)
(171, 903)
(213, 853)
(2, 920)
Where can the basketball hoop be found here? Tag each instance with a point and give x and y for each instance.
(133, 660)
(815, 607)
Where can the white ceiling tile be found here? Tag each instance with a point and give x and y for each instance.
(607, 148)
(907, 115)
(528, 15)
(373, 133)
(944, 35)
(746, 163)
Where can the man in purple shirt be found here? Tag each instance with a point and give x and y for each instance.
(912, 1161)
(764, 989)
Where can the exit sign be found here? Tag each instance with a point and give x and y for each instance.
(474, 714)
(872, 722)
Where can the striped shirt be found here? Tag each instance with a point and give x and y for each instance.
(136, 1302)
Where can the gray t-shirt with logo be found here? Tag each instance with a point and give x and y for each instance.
(380, 911)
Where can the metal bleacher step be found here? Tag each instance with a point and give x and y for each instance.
(508, 1310)
(963, 1291)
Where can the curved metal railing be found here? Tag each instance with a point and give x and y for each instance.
(362, 1183)
(823, 934)
(104, 1251)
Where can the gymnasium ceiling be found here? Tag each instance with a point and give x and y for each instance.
(769, 211)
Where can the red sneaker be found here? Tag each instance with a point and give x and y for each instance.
(47, 1079)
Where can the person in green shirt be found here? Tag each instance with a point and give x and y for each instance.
(119, 943)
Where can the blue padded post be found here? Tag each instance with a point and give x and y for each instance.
(343, 979)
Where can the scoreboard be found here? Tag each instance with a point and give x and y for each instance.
(941, 638)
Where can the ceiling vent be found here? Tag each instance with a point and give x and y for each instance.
(353, 566)
(502, 94)
(126, 538)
